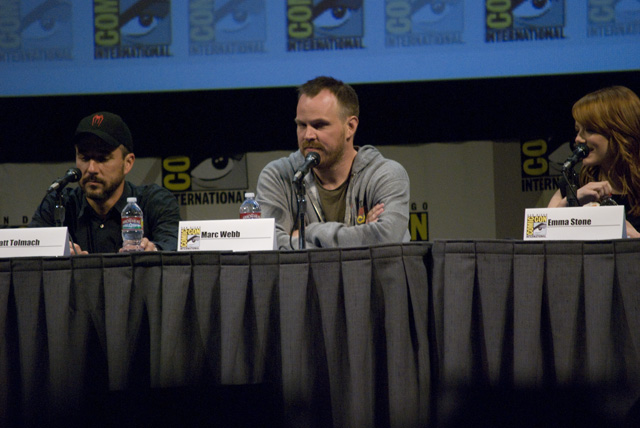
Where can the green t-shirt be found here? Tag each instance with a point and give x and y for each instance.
(333, 202)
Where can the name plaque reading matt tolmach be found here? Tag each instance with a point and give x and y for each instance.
(34, 242)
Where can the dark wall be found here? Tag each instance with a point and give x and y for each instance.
(38, 129)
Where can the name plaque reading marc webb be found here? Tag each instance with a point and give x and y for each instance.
(575, 223)
(258, 234)
(34, 242)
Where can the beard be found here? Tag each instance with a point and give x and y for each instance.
(328, 157)
(332, 157)
(100, 194)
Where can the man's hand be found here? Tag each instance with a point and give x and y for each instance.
(374, 213)
(145, 245)
(75, 249)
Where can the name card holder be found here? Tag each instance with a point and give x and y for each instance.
(258, 234)
(588, 223)
(34, 242)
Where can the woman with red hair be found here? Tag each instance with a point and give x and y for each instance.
(608, 122)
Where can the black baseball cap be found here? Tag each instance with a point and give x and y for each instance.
(109, 127)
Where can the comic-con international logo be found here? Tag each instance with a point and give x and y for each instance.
(541, 163)
(131, 29)
(537, 226)
(524, 20)
(206, 179)
(227, 27)
(419, 23)
(190, 238)
(316, 25)
(35, 30)
(613, 18)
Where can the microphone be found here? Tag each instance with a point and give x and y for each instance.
(71, 176)
(312, 160)
(581, 151)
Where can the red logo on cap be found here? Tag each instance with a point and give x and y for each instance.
(97, 120)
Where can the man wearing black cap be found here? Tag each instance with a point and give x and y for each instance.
(104, 155)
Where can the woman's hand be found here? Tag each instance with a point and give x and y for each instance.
(594, 191)
(590, 192)
(631, 231)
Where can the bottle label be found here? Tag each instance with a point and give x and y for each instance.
(246, 216)
(132, 223)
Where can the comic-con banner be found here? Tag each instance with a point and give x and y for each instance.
(319, 26)
(34, 31)
(542, 161)
(116, 46)
(524, 20)
(610, 18)
(219, 27)
(410, 24)
(131, 29)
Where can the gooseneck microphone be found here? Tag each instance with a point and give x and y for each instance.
(581, 151)
(71, 176)
(312, 160)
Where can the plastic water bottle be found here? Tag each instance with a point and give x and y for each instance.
(132, 226)
(250, 208)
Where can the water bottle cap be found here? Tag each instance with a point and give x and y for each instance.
(132, 199)
(249, 195)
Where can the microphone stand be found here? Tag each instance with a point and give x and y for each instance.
(568, 187)
(59, 214)
(59, 211)
(302, 206)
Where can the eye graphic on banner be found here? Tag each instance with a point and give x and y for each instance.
(223, 172)
(132, 29)
(423, 22)
(227, 27)
(136, 24)
(240, 21)
(35, 34)
(335, 18)
(532, 9)
(48, 22)
(234, 21)
(613, 18)
(430, 12)
(325, 25)
(527, 20)
(148, 25)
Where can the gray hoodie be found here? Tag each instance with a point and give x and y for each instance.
(374, 180)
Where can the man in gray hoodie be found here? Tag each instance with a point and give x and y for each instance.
(354, 196)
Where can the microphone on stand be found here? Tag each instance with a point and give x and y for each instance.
(581, 151)
(71, 176)
(312, 160)
(568, 183)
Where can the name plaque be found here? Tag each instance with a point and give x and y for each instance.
(258, 234)
(575, 223)
(34, 242)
